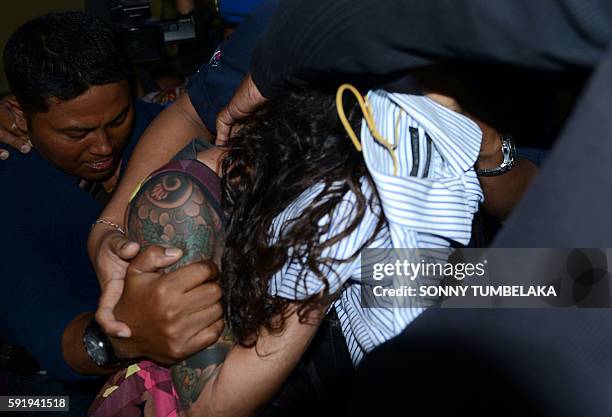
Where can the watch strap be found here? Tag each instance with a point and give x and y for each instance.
(94, 332)
(509, 152)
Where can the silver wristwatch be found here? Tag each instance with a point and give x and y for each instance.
(509, 152)
(98, 347)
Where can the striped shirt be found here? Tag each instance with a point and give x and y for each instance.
(429, 203)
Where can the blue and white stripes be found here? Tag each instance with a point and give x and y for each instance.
(430, 203)
(441, 201)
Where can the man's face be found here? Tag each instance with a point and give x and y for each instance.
(85, 136)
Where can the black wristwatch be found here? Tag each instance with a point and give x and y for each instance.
(98, 347)
(509, 153)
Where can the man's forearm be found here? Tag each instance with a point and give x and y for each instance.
(165, 137)
(503, 192)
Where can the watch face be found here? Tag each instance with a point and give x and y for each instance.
(96, 350)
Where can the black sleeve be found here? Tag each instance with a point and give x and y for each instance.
(325, 40)
(46, 278)
(212, 87)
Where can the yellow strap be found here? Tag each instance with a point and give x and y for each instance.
(369, 118)
(138, 187)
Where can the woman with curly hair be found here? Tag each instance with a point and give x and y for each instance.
(302, 202)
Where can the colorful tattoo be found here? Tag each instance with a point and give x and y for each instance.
(172, 210)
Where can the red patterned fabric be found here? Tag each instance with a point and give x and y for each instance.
(140, 390)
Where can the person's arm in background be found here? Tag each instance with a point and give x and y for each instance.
(340, 41)
(502, 192)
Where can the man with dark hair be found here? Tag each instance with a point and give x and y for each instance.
(71, 83)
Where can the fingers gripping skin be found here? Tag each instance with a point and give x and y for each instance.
(168, 311)
(245, 101)
(111, 262)
(13, 128)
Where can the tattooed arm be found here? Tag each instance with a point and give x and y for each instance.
(172, 209)
(191, 375)
(251, 376)
(223, 379)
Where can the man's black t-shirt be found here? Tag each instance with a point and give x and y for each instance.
(46, 278)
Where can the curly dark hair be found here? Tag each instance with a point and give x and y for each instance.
(61, 55)
(284, 149)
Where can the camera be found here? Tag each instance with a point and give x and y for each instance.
(144, 35)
